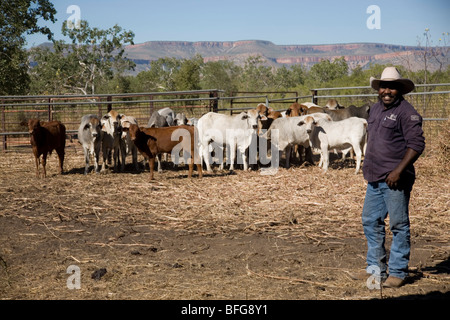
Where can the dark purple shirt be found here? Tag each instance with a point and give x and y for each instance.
(390, 132)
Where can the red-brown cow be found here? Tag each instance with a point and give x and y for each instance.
(46, 137)
(154, 141)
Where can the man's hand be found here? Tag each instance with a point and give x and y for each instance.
(394, 176)
(393, 179)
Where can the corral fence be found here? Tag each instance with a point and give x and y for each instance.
(430, 100)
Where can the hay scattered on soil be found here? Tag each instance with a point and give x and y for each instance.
(291, 235)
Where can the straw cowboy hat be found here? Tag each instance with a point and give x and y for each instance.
(392, 74)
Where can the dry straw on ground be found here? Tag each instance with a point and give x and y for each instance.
(292, 235)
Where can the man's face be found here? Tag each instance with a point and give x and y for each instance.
(389, 92)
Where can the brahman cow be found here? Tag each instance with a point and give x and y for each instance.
(112, 140)
(234, 132)
(342, 135)
(90, 137)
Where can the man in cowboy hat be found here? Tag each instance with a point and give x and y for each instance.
(395, 141)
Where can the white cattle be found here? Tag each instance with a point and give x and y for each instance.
(112, 132)
(169, 114)
(230, 131)
(341, 135)
(292, 131)
(125, 122)
(180, 119)
(90, 137)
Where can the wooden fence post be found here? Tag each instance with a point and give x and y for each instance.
(152, 108)
(4, 127)
(215, 102)
(314, 96)
(50, 109)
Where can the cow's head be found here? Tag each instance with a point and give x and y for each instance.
(252, 117)
(133, 130)
(94, 128)
(34, 126)
(111, 123)
(308, 122)
(180, 119)
(262, 109)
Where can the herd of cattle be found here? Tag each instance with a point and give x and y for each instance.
(301, 127)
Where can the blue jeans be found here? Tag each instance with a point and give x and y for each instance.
(380, 200)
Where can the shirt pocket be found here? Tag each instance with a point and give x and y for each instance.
(387, 129)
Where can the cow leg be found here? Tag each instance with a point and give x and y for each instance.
(205, 152)
(37, 162)
(61, 160)
(321, 160)
(44, 163)
(96, 159)
(200, 170)
(152, 167)
(123, 150)
(158, 158)
(232, 149)
(358, 154)
(134, 155)
(105, 156)
(116, 159)
(244, 158)
(288, 156)
(326, 157)
(86, 160)
(191, 168)
(308, 154)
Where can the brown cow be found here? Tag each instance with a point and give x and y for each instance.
(154, 141)
(295, 110)
(46, 137)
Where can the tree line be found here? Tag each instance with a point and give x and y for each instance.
(93, 61)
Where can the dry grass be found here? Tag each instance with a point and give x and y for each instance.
(292, 235)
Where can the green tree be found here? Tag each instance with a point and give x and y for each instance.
(160, 76)
(327, 71)
(222, 75)
(256, 76)
(188, 75)
(18, 18)
(289, 78)
(94, 56)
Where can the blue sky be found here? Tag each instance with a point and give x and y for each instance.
(279, 21)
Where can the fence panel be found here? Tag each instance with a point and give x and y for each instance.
(431, 101)
(70, 109)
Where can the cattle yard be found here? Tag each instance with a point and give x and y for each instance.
(243, 235)
(430, 100)
(292, 234)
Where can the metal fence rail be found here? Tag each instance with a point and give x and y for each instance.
(69, 109)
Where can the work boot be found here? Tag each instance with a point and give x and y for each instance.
(393, 282)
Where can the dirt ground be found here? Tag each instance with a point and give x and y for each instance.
(294, 235)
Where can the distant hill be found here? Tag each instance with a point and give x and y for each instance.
(277, 55)
(362, 54)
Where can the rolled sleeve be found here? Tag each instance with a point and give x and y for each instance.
(413, 132)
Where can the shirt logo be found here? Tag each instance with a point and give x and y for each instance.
(415, 117)
(392, 117)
